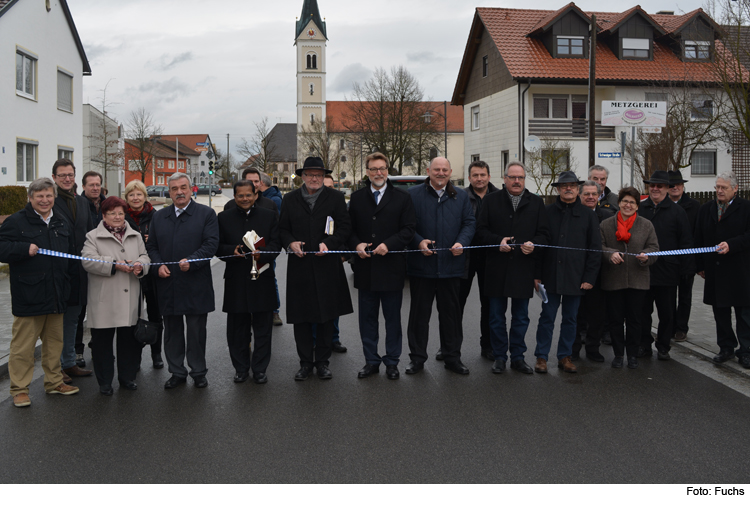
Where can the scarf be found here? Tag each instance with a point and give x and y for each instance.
(70, 200)
(118, 233)
(623, 227)
(136, 216)
(309, 198)
(514, 200)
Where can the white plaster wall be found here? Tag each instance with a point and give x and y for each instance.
(40, 120)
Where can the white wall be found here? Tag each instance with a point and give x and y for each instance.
(46, 34)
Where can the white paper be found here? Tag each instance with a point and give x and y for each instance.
(542, 293)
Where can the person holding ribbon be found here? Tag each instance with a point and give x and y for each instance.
(627, 238)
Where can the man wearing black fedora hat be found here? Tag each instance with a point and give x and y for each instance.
(314, 221)
(673, 232)
(685, 288)
(566, 274)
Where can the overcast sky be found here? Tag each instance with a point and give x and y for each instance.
(216, 67)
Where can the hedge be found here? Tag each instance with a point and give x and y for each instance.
(12, 199)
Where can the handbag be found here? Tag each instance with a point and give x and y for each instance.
(144, 331)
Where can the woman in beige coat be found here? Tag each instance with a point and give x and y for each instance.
(114, 292)
(626, 240)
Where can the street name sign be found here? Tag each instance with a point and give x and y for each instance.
(615, 154)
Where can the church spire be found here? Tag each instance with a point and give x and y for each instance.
(310, 12)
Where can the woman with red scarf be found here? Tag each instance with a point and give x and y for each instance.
(139, 213)
(626, 240)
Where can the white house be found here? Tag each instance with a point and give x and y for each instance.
(102, 147)
(41, 112)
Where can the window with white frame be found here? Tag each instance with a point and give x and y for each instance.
(160, 164)
(553, 106)
(25, 74)
(636, 48)
(698, 50)
(180, 165)
(26, 157)
(64, 91)
(160, 179)
(475, 117)
(134, 165)
(657, 96)
(569, 46)
(555, 159)
(63, 152)
(475, 158)
(703, 108)
(703, 163)
(170, 164)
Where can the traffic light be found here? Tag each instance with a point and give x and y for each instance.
(210, 167)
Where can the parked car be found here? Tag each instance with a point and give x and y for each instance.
(158, 191)
(203, 190)
(406, 182)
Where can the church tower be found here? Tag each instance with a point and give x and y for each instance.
(310, 40)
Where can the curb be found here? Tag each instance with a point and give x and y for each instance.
(731, 365)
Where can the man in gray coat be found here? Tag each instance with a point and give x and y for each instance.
(179, 233)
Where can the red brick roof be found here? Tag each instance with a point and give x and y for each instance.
(187, 139)
(337, 111)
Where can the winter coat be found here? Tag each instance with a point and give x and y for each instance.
(274, 195)
(476, 258)
(192, 235)
(727, 275)
(631, 273)
(603, 213)
(691, 207)
(143, 226)
(39, 285)
(511, 274)
(96, 216)
(562, 271)
(316, 287)
(241, 293)
(80, 227)
(673, 231)
(113, 295)
(609, 202)
(446, 220)
(392, 222)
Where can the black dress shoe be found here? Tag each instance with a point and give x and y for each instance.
(414, 368)
(157, 360)
(338, 347)
(457, 367)
(368, 369)
(499, 366)
(521, 366)
(303, 373)
(129, 385)
(617, 362)
(663, 356)
(595, 357)
(575, 356)
(723, 356)
(632, 363)
(745, 361)
(174, 381)
(488, 354)
(200, 382)
(391, 371)
(106, 389)
(240, 377)
(260, 378)
(644, 352)
(439, 355)
(324, 373)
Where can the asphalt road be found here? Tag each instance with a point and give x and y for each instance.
(662, 423)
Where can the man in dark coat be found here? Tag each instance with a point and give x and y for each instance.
(314, 220)
(685, 288)
(248, 302)
(566, 273)
(673, 232)
(75, 210)
(382, 221)
(725, 222)
(184, 231)
(592, 310)
(607, 199)
(270, 191)
(479, 187)
(39, 287)
(511, 216)
(444, 221)
(253, 175)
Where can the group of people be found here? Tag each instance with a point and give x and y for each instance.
(588, 254)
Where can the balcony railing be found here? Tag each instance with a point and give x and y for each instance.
(568, 128)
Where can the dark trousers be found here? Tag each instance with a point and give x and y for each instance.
(79, 331)
(476, 267)
(314, 349)
(369, 311)
(103, 356)
(240, 329)
(725, 336)
(665, 298)
(685, 301)
(592, 317)
(153, 314)
(423, 292)
(176, 350)
(625, 311)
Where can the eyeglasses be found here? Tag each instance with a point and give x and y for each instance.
(66, 176)
(515, 178)
(381, 170)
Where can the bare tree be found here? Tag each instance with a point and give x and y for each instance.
(104, 141)
(320, 140)
(142, 133)
(261, 147)
(545, 164)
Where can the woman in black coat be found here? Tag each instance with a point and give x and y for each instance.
(139, 216)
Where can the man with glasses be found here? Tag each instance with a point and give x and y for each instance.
(513, 219)
(75, 210)
(673, 232)
(383, 221)
(445, 225)
(314, 221)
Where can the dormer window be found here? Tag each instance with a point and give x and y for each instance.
(633, 48)
(697, 50)
(569, 46)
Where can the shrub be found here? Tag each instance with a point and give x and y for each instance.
(12, 199)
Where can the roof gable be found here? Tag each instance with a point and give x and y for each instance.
(546, 22)
(612, 24)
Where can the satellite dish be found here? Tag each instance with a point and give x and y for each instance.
(342, 175)
(532, 143)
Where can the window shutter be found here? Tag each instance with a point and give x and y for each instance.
(64, 91)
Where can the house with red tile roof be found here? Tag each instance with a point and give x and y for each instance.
(525, 73)
(200, 144)
(162, 158)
